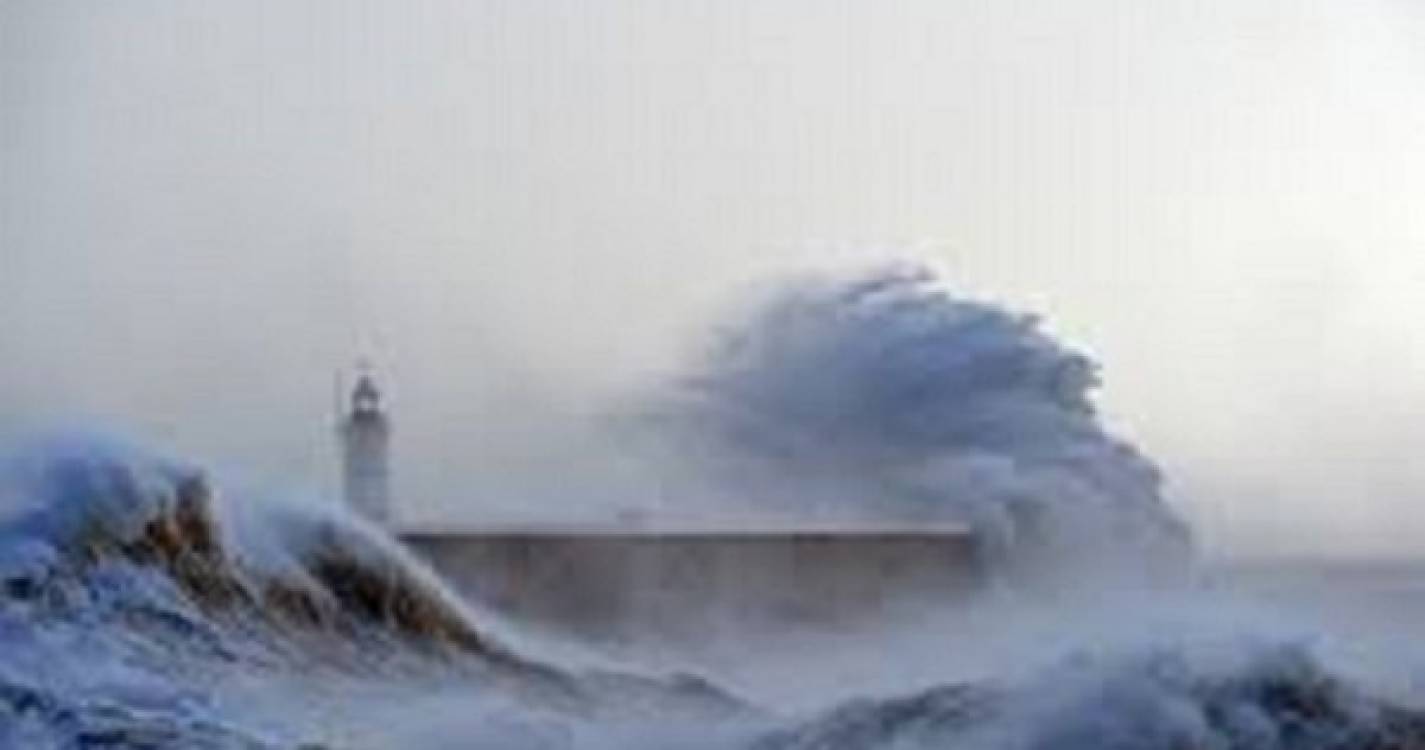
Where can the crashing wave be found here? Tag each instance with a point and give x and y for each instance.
(887, 396)
(1277, 698)
(130, 590)
(93, 527)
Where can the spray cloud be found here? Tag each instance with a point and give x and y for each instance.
(884, 395)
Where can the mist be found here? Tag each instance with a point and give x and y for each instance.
(527, 216)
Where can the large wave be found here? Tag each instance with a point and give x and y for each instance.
(131, 591)
(885, 395)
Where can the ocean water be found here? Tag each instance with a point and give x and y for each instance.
(140, 607)
(144, 606)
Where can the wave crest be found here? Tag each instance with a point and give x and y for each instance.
(91, 511)
(885, 395)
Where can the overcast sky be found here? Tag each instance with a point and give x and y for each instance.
(514, 207)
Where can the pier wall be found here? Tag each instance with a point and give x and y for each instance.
(608, 585)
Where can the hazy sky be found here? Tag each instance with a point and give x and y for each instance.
(207, 207)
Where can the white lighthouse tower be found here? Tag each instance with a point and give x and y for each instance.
(365, 433)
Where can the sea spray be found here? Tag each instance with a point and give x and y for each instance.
(886, 396)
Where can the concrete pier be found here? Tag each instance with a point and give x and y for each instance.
(677, 582)
(676, 578)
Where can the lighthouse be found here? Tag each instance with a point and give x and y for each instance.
(365, 433)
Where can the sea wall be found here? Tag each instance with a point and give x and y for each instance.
(615, 585)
